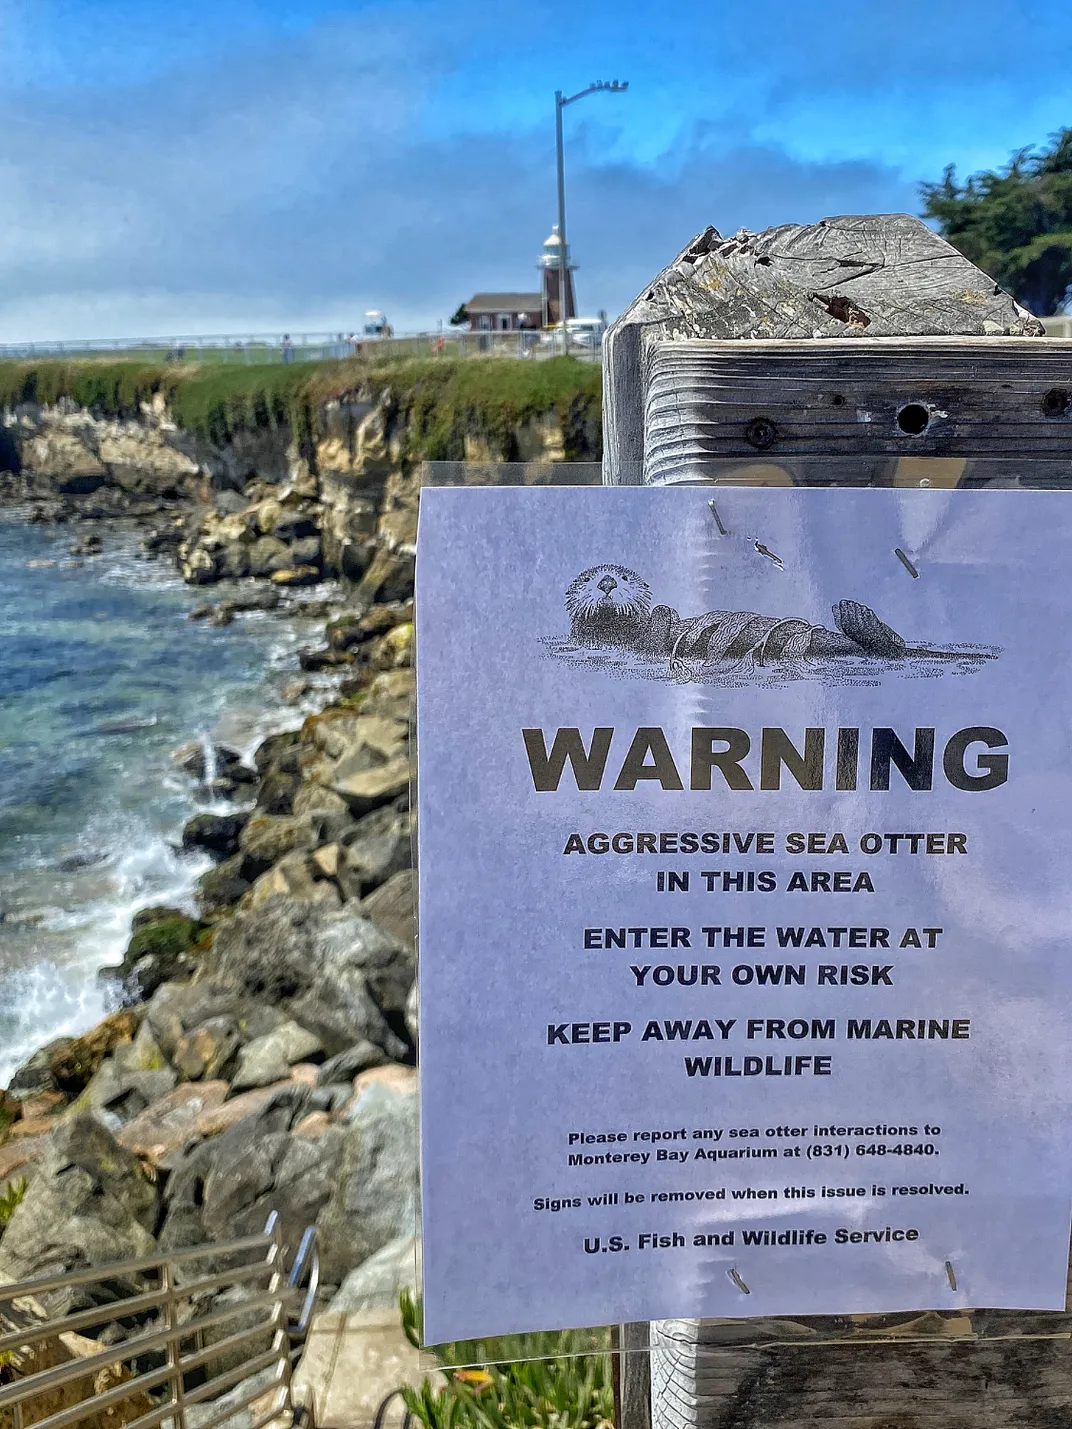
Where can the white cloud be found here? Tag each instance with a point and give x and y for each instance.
(295, 185)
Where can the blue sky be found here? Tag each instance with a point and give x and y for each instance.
(248, 165)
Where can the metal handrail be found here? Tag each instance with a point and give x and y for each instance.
(180, 1323)
(258, 348)
(44, 1284)
(306, 1266)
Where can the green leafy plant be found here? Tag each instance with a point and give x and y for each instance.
(12, 1199)
(559, 1378)
(1015, 224)
(443, 400)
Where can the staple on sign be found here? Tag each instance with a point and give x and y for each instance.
(951, 1274)
(761, 548)
(909, 567)
(734, 1275)
(718, 519)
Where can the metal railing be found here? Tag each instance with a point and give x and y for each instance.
(254, 349)
(193, 1339)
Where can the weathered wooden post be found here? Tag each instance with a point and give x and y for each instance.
(857, 351)
(658, 727)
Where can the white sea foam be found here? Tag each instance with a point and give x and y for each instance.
(62, 995)
(113, 803)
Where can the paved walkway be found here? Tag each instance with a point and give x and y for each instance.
(351, 1363)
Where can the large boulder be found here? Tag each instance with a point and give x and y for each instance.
(345, 1066)
(379, 845)
(306, 552)
(367, 789)
(389, 577)
(267, 838)
(377, 1284)
(125, 1093)
(394, 650)
(275, 795)
(279, 752)
(166, 1126)
(269, 1058)
(229, 1185)
(90, 1203)
(363, 758)
(75, 1065)
(222, 887)
(207, 1052)
(295, 526)
(375, 1199)
(296, 875)
(161, 947)
(329, 969)
(393, 906)
(268, 555)
(312, 798)
(391, 695)
(217, 834)
(179, 1009)
(36, 1075)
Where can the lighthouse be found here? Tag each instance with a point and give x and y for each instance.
(550, 273)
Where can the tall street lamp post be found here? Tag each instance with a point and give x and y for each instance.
(611, 86)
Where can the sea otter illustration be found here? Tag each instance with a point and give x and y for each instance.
(610, 606)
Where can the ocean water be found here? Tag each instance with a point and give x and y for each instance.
(102, 677)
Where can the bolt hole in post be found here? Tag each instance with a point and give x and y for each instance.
(1056, 402)
(914, 419)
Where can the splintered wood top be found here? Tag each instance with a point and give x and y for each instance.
(826, 331)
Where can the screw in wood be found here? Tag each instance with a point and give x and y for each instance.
(734, 1275)
(718, 519)
(769, 555)
(951, 1275)
(761, 433)
(909, 567)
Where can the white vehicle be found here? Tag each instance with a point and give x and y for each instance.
(584, 333)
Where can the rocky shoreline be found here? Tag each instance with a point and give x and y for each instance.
(261, 1054)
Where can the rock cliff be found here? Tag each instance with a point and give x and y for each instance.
(262, 1054)
(288, 491)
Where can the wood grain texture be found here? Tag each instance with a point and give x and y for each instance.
(876, 276)
(964, 397)
(947, 1385)
(634, 1376)
(823, 334)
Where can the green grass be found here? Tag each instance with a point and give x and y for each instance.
(12, 1199)
(561, 1378)
(112, 388)
(442, 400)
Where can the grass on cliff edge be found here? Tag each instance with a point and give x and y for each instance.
(440, 399)
(560, 1379)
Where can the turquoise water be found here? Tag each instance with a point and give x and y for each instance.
(90, 813)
